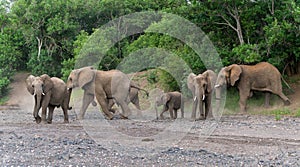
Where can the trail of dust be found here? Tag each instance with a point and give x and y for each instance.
(19, 96)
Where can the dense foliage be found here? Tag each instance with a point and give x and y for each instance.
(43, 36)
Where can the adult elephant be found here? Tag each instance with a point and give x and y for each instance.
(48, 92)
(260, 77)
(202, 87)
(106, 85)
(171, 101)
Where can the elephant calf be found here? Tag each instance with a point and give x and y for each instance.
(171, 101)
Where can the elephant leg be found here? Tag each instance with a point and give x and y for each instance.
(195, 103)
(104, 106)
(66, 116)
(243, 101)
(136, 103)
(171, 108)
(202, 114)
(50, 113)
(284, 98)
(125, 109)
(208, 109)
(45, 104)
(124, 105)
(267, 99)
(87, 99)
(44, 114)
(110, 105)
(175, 114)
(162, 112)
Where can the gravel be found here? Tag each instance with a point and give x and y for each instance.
(235, 141)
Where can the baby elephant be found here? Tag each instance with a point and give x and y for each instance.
(170, 101)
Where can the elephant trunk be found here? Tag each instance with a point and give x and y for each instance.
(69, 92)
(38, 100)
(218, 98)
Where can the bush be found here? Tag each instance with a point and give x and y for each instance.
(4, 82)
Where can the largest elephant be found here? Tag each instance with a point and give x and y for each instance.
(248, 78)
(48, 92)
(106, 85)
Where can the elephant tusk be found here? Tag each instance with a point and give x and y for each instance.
(43, 94)
(203, 97)
(216, 86)
(195, 98)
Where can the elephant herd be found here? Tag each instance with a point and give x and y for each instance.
(114, 87)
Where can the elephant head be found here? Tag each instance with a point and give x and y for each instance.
(161, 100)
(228, 75)
(38, 87)
(82, 78)
(201, 84)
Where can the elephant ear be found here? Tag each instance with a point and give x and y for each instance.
(29, 81)
(208, 78)
(190, 81)
(48, 83)
(85, 76)
(235, 72)
(165, 98)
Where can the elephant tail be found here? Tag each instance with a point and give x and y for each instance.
(287, 84)
(138, 88)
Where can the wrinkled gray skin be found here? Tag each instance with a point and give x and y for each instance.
(171, 101)
(248, 78)
(105, 85)
(48, 92)
(133, 97)
(202, 88)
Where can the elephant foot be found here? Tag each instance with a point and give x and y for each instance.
(66, 121)
(38, 119)
(79, 117)
(44, 122)
(109, 117)
(49, 121)
(201, 118)
(287, 102)
(243, 112)
(123, 117)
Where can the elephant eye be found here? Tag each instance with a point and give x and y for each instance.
(70, 79)
(32, 86)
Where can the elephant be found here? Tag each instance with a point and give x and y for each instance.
(133, 97)
(171, 101)
(105, 85)
(248, 78)
(51, 93)
(202, 88)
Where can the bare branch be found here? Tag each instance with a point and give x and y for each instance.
(228, 23)
(40, 44)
